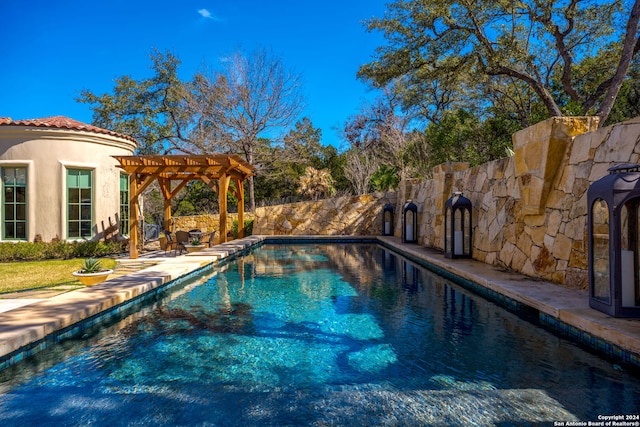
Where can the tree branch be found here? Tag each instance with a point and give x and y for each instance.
(630, 47)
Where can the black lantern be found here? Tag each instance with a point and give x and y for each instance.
(457, 227)
(409, 222)
(614, 244)
(387, 220)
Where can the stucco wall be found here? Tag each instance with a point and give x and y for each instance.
(47, 153)
(530, 210)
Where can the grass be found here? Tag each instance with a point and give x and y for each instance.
(20, 276)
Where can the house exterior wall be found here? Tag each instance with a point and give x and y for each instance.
(47, 153)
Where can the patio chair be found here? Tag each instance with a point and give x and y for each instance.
(167, 243)
(209, 239)
(182, 238)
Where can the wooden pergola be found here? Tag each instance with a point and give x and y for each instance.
(217, 171)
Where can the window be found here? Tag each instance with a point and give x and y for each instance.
(79, 203)
(124, 204)
(14, 201)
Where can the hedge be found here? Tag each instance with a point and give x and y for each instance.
(57, 249)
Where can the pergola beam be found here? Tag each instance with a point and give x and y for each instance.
(220, 169)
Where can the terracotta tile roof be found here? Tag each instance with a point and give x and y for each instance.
(61, 122)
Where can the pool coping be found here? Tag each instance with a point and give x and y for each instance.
(565, 310)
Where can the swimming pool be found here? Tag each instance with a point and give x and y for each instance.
(317, 334)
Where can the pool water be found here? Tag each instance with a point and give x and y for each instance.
(317, 334)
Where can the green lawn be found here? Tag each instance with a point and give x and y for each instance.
(19, 276)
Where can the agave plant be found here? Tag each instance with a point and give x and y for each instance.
(195, 241)
(91, 265)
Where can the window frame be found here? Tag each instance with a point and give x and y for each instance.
(124, 218)
(25, 203)
(91, 205)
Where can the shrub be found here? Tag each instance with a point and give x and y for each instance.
(57, 249)
(248, 228)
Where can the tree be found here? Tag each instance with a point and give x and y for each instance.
(386, 178)
(531, 41)
(381, 130)
(359, 168)
(335, 162)
(252, 100)
(315, 183)
(283, 164)
(303, 144)
(150, 110)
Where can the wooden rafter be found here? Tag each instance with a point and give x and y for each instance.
(213, 169)
(176, 167)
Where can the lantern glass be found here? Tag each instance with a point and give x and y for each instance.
(600, 271)
(410, 221)
(457, 232)
(467, 232)
(447, 234)
(629, 261)
(387, 220)
(387, 223)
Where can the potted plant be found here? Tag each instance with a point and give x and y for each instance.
(92, 272)
(194, 245)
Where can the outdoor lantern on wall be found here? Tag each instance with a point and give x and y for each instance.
(614, 243)
(409, 222)
(387, 220)
(457, 226)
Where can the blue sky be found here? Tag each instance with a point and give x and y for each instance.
(55, 48)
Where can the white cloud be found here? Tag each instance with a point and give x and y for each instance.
(206, 14)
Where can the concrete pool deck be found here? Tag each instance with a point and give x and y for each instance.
(24, 322)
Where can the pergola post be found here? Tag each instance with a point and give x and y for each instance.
(134, 225)
(165, 189)
(223, 186)
(240, 196)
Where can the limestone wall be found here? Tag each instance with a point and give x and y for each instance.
(206, 223)
(530, 210)
(350, 215)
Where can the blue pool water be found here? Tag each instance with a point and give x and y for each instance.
(319, 335)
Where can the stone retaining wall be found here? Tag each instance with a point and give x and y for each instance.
(530, 210)
(206, 223)
(349, 215)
